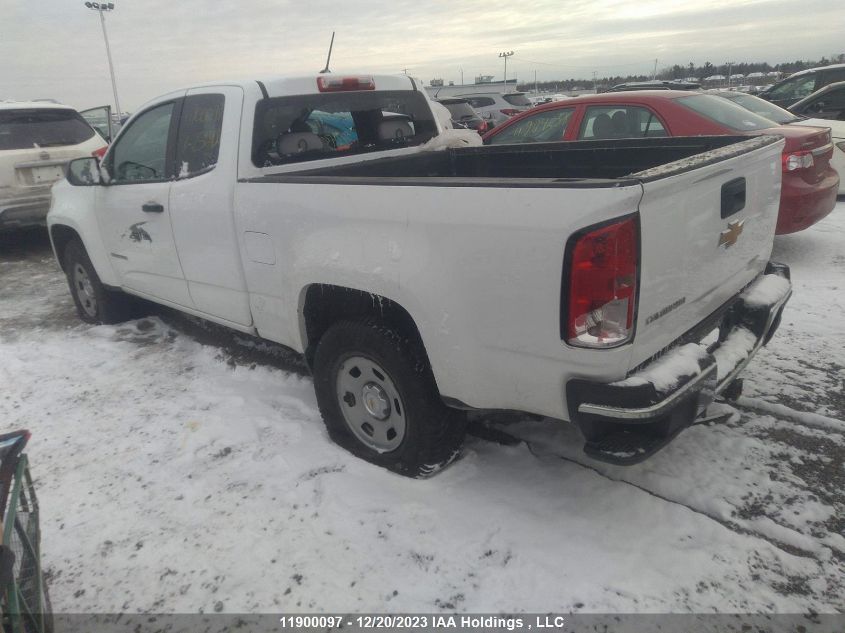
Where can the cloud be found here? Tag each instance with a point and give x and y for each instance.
(55, 48)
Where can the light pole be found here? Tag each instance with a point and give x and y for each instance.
(505, 57)
(101, 7)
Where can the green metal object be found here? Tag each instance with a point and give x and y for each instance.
(24, 603)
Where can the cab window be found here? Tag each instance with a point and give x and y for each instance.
(198, 139)
(140, 154)
(327, 125)
(541, 127)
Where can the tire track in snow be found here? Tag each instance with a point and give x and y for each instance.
(734, 527)
(805, 418)
(776, 489)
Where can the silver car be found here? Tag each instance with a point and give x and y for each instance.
(495, 107)
(36, 142)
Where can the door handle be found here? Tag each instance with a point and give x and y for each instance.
(152, 207)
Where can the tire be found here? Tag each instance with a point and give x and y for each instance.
(94, 302)
(379, 400)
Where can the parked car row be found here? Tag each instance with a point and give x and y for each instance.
(824, 108)
(809, 182)
(803, 84)
(492, 108)
(38, 138)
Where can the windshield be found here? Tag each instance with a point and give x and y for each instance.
(762, 107)
(311, 127)
(793, 88)
(517, 99)
(725, 113)
(31, 127)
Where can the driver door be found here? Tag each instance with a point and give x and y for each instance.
(100, 120)
(133, 208)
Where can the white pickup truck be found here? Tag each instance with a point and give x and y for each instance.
(619, 285)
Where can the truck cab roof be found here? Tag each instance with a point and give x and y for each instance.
(285, 85)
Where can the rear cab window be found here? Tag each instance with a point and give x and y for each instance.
(27, 128)
(725, 113)
(326, 125)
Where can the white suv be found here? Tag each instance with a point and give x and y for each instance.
(495, 107)
(36, 142)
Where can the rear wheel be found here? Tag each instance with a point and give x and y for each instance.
(94, 302)
(379, 400)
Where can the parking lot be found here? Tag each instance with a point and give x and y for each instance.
(183, 469)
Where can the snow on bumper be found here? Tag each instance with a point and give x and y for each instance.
(627, 421)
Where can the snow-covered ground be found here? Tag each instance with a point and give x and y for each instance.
(181, 470)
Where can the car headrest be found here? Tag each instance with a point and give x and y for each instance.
(298, 142)
(620, 122)
(602, 126)
(394, 130)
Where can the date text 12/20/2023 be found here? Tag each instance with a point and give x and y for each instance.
(470, 622)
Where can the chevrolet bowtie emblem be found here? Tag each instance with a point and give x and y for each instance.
(730, 235)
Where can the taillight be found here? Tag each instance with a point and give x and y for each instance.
(509, 111)
(602, 290)
(482, 127)
(797, 160)
(329, 83)
(99, 153)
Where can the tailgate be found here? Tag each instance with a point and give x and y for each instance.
(707, 226)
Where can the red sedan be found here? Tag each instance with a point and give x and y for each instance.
(809, 183)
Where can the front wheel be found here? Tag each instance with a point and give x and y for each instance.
(94, 302)
(379, 400)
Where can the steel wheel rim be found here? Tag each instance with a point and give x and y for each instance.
(84, 290)
(370, 403)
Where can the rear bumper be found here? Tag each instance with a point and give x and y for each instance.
(627, 421)
(29, 210)
(803, 204)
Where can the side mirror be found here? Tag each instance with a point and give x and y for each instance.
(84, 172)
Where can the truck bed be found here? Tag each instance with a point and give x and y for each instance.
(472, 243)
(563, 164)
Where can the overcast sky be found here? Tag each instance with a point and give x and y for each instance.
(55, 49)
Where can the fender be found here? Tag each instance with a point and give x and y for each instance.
(74, 209)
